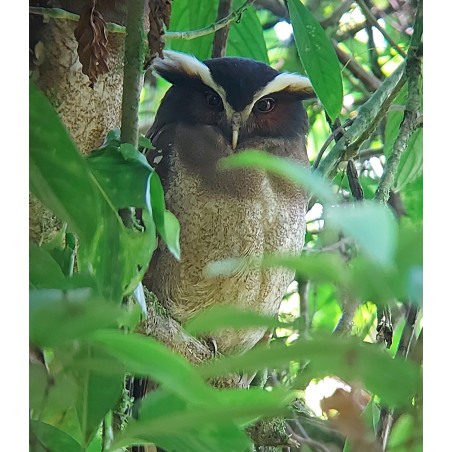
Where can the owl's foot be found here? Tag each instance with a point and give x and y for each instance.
(211, 343)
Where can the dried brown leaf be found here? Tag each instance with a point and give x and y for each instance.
(159, 15)
(348, 420)
(92, 37)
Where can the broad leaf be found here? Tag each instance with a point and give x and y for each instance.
(46, 437)
(373, 227)
(59, 176)
(147, 357)
(284, 167)
(97, 394)
(246, 38)
(44, 271)
(411, 162)
(347, 358)
(59, 316)
(219, 317)
(318, 57)
(215, 419)
(192, 15)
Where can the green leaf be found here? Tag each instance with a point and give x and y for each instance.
(373, 227)
(58, 316)
(167, 224)
(59, 176)
(44, 271)
(171, 233)
(318, 57)
(393, 121)
(411, 162)
(225, 436)
(144, 142)
(219, 317)
(284, 167)
(147, 357)
(347, 358)
(97, 394)
(214, 418)
(323, 267)
(125, 181)
(192, 15)
(46, 437)
(246, 37)
(406, 435)
(50, 395)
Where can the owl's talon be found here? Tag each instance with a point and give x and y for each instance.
(211, 344)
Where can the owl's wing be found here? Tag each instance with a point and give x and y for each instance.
(161, 136)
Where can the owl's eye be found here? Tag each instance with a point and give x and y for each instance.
(265, 105)
(213, 100)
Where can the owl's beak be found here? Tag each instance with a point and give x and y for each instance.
(236, 123)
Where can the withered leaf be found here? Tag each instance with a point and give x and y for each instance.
(159, 15)
(349, 420)
(92, 37)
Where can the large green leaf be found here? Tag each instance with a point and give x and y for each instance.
(224, 436)
(318, 57)
(45, 437)
(97, 394)
(192, 15)
(219, 317)
(284, 167)
(44, 271)
(347, 358)
(373, 227)
(147, 357)
(204, 425)
(246, 38)
(59, 176)
(59, 316)
(122, 175)
(411, 162)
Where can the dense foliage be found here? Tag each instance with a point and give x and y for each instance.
(354, 312)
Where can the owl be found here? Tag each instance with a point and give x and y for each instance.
(214, 109)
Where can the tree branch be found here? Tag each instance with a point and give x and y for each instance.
(371, 82)
(369, 115)
(409, 124)
(221, 36)
(57, 13)
(373, 20)
(133, 71)
(62, 14)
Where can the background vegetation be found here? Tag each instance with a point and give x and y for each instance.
(354, 315)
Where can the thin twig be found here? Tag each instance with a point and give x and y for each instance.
(303, 293)
(403, 350)
(306, 441)
(371, 82)
(221, 36)
(62, 14)
(333, 136)
(58, 13)
(410, 120)
(373, 20)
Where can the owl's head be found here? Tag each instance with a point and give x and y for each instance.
(246, 100)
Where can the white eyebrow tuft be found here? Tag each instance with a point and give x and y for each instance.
(293, 83)
(192, 67)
